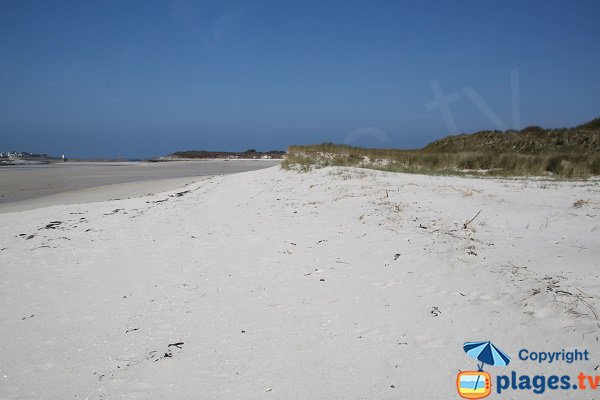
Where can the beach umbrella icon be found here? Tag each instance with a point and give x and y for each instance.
(487, 353)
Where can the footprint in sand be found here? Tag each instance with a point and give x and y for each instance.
(476, 298)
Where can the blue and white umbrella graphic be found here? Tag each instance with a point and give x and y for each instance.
(487, 353)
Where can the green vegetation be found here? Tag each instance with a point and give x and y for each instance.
(533, 151)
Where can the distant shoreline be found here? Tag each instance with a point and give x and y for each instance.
(31, 161)
(81, 161)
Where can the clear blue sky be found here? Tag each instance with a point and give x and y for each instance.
(145, 78)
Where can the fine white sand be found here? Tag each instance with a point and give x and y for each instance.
(333, 284)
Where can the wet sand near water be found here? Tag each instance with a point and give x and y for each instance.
(33, 186)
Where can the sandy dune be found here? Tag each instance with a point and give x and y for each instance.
(333, 284)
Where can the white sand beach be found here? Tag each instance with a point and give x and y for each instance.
(332, 284)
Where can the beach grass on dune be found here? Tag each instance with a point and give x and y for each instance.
(532, 151)
(562, 165)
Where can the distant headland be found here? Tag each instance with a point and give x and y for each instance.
(251, 154)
